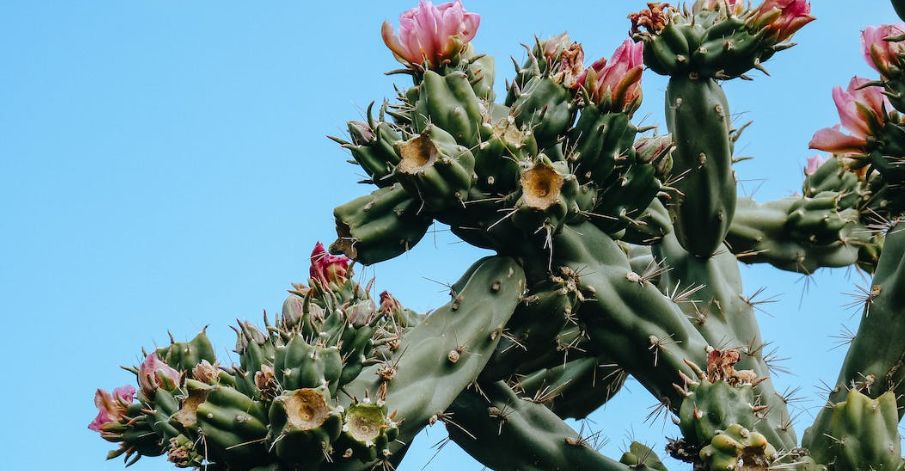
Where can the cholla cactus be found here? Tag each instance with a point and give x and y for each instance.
(617, 253)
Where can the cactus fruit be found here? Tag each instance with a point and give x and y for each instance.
(615, 253)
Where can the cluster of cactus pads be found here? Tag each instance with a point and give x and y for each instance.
(617, 254)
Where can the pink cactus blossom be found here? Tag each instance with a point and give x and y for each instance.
(792, 16)
(328, 268)
(861, 109)
(432, 34)
(111, 407)
(616, 84)
(814, 162)
(154, 373)
(879, 53)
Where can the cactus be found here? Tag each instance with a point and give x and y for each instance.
(616, 254)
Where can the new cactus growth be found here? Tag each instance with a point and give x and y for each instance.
(616, 254)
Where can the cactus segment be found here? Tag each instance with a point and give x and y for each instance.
(697, 115)
(506, 433)
(299, 365)
(303, 425)
(873, 364)
(598, 140)
(448, 102)
(640, 456)
(858, 433)
(546, 108)
(234, 427)
(183, 356)
(469, 325)
(435, 168)
(373, 147)
(379, 226)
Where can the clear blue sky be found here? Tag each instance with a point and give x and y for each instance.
(163, 165)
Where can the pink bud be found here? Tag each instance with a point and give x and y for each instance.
(432, 34)
(814, 162)
(154, 373)
(111, 408)
(617, 82)
(328, 268)
(793, 15)
(879, 53)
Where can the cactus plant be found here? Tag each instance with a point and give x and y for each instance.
(616, 253)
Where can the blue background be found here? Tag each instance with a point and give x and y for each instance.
(163, 165)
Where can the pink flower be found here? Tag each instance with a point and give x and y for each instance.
(861, 109)
(328, 268)
(880, 54)
(616, 85)
(814, 162)
(154, 373)
(435, 34)
(791, 16)
(111, 408)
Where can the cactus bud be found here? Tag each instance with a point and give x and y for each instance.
(616, 85)
(154, 374)
(782, 18)
(361, 133)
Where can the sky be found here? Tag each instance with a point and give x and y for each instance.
(164, 166)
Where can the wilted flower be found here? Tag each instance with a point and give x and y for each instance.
(328, 268)
(814, 162)
(432, 34)
(154, 373)
(734, 7)
(879, 53)
(207, 372)
(860, 109)
(616, 85)
(111, 407)
(653, 19)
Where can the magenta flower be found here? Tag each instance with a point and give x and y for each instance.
(328, 268)
(616, 85)
(111, 408)
(861, 109)
(814, 162)
(783, 17)
(879, 53)
(154, 373)
(432, 34)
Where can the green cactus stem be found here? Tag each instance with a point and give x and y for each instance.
(697, 114)
(506, 433)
